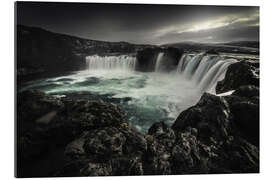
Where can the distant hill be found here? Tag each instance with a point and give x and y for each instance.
(251, 44)
(247, 47)
(39, 50)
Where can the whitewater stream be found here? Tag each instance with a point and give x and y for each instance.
(146, 97)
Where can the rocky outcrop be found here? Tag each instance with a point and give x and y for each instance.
(147, 59)
(239, 74)
(244, 105)
(208, 135)
(171, 59)
(92, 138)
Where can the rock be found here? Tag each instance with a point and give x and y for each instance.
(33, 104)
(244, 105)
(238, 74)
(146, 59)
(92, 114)
(185, 154)
(248, 91)
(96, 169)
(160, 140)
(92, 138)
(162, 133)
(135, 141)
(210, 116)
(212, 52)
(208, 139)
(66, 132)
(104, 143)
(74, 150)
(171, 58)
(127, 165)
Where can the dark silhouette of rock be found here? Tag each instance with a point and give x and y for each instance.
(92, 138)
(147, 58)
(105, 142)
(244, 105)
(203, 117)
(239, 74)
(247, 91)
(212, 51)
(208, 140)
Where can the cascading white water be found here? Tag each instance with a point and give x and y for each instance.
(204, 70)
(146, 97)
(122, 62)
(159, 62)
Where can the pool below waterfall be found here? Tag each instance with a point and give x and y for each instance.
(146, 97)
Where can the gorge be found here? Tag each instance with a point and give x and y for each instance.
(125, 109)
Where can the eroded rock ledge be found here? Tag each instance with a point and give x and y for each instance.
(64, 137)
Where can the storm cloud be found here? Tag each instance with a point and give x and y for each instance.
(151, 24)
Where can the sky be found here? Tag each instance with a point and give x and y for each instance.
(144, 24)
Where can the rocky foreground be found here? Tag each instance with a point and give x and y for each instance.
(67, 137)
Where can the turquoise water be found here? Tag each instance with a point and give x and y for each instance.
(145, 97)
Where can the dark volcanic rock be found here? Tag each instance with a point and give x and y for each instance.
(171, 58)
(160, 140)
(239, 74)
(147, 58)
(247, 91)
(92, 138)
(92, 114)
(38, 140)
(210, 116)
(33, 104)
(104, 143)
(212, 51)
(244, 104)
(208, 140)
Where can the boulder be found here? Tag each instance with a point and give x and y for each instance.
(244, 105)
(33, 104)
(160, 140)
(92, 138)
(92, 114)
(146, 59)
(239, 74)
(247, 91)
(208, 139)
(210, 116)
(104, 143)
(171, 58)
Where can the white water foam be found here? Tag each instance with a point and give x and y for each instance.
(155, 96)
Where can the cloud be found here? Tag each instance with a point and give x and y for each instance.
(152, 24)
(223, 28)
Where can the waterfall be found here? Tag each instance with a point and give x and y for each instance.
(121, 62)
(159, 62)
(204, 70)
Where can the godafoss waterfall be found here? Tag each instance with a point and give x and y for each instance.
(146, 97)
(116, 98)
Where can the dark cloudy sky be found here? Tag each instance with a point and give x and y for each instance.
(152, 24)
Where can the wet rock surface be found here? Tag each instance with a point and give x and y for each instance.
(239, 74)
(92, 138)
